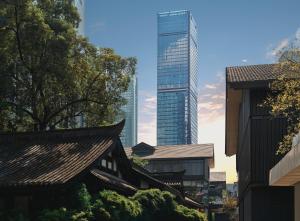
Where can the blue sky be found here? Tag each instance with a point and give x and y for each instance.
(231, 32)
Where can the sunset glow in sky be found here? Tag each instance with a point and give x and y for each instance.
(232, 32)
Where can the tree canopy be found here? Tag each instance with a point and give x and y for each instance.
(50, 74)
(285, 97)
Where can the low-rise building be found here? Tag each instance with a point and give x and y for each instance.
(217, 186)
(193, 160)
(253, 134)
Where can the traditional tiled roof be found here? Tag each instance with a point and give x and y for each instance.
(52, 157)
(175, 151)
(217, 177)
(251, 73)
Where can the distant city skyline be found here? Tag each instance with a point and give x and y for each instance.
(231, 33)
(130, 114)
(177, 75)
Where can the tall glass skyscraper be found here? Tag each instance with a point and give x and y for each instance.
(177, 71)
(129, 133)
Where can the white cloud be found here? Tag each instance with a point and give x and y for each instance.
(211, 105)
(211, 121)
(276, 51)
(210, 86)
(211, 124)
(298, 34)
(147, 118)
(244, 60)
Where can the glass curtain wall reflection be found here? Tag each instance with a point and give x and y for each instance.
(177, 78)
(129, 132)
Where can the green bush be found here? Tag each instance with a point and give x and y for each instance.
(60, 214)
(185, 214)
(145, 205)
(156, 205)
(80, 198)
(119, 207)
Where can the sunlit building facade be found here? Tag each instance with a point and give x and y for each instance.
(129, 133)
(177, 71)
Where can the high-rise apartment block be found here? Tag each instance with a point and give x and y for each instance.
(177, 71)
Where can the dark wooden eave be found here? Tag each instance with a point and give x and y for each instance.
(113, 181)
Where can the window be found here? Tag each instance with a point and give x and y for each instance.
(109, 165)
(103, 162)
(115, 167)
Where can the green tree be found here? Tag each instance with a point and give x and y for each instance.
(49, 74)
(285, 97)
(139, 161)
(119, 207)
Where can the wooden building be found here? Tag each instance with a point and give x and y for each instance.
(217, 184)
(191, 163)
(38, 170)
(253, 135)
(287, 173)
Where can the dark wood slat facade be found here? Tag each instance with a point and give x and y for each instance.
(258, 136)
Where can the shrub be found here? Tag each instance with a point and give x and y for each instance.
(117, 206)
(145, 205)
(157, 205)
(60, 214)
(80, 198)
(81, 216)
(185, 214)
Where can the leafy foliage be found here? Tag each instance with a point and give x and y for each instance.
(185, 214)
(156, 204)
(139, 161)
(81, 199)
(49, 74)
(119, 207)
(60, 214)
(230, 206)
(108, 205)
(285, 97)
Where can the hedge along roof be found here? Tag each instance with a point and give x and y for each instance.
(52, 157)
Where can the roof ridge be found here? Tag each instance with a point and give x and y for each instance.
(105, 131)
(250, 65)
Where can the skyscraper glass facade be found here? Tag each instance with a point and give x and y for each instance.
(129, 133)
(177, 72)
